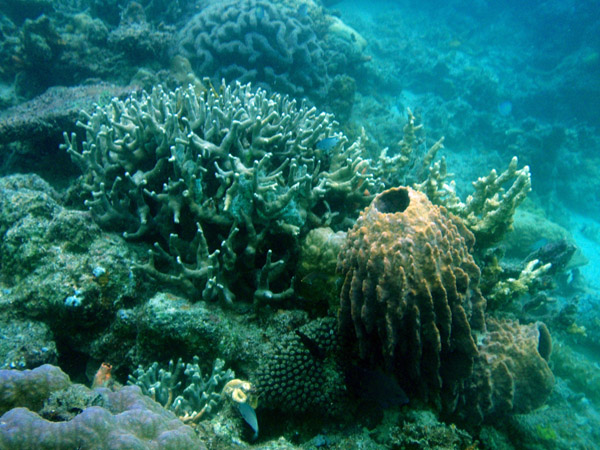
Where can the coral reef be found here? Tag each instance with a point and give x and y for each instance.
(260, 41)
(421, 429)
(410, 298)
(182, 388)
(26, 344)
(489, 211)
(411, 303)
(213, 176)
(301, 373)
(57, 267)
(124, 418)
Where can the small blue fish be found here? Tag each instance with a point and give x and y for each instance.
(327, 143)
(505, 108)
(542, 242)
(260, 13)
(303, 10)
(249, 416)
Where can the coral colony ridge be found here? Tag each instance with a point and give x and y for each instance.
(299, 224)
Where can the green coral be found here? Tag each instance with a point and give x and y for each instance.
(211, 176)
(302, 374)
(182, 389)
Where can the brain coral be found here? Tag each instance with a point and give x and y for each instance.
(410, 296)
(261, 41)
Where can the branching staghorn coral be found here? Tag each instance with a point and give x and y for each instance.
(489, 211)
(224, 182)
(413, 160)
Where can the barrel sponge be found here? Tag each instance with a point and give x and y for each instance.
(511, 373)
(126, 419)
(410, 296)
(30, 388)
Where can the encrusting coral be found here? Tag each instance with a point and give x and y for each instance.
(224, 182)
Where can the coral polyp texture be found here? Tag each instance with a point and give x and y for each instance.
(301, 374)
(119, 419)
(224, 182)
(265, 42)
(410, 297)
(182, 388)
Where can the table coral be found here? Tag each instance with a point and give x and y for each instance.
(410, 297)
(56, 109)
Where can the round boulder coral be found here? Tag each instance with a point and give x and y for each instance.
(410, 297)
(302, 374)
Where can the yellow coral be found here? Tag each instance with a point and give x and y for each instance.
(240, 391)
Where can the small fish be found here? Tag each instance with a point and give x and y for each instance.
(542, 242)
(260, 13)
(375, 387)
(311, 345)
(249, 416)
(327, 143)
(505, 108)
(303, 10)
